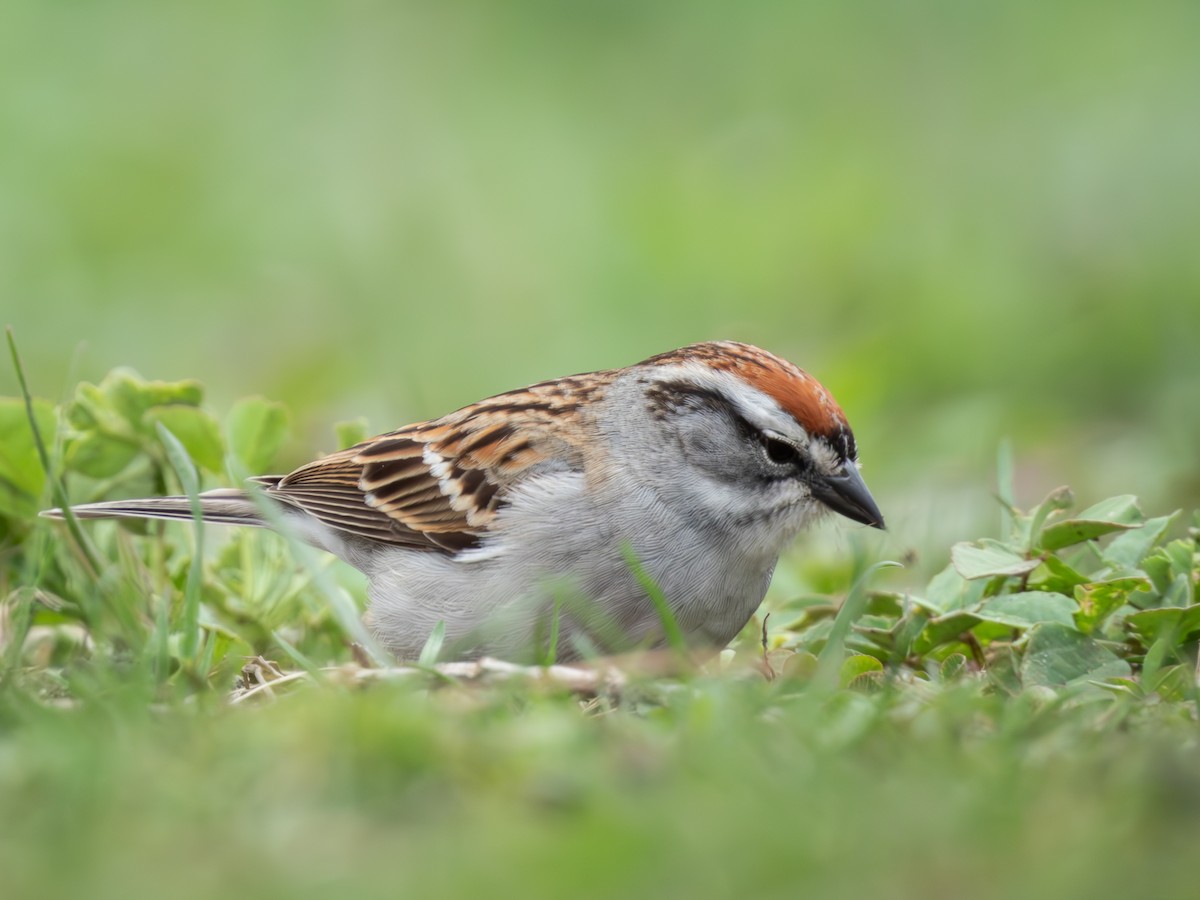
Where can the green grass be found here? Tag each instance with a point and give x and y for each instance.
(720, 787)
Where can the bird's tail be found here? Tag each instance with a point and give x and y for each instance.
(225, 506)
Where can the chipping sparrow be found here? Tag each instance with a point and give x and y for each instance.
(531, 512)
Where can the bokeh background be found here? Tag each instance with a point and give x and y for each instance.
(974, 222)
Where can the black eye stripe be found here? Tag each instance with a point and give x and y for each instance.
(670, 397)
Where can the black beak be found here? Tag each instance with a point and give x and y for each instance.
(847, 493)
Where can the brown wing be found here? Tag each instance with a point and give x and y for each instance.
(439, 485)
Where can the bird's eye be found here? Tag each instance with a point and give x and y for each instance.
(780, 452)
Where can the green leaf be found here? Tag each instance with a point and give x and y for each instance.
(1056, 575)
(1002, 672)
(93, 409)
(1115, 514)
(1122, 508)
(1059, 655)
(987, 559)
(1174, 682)
(99, 455)
(1031, 526)
(945, 628)
(81, 412)
(1170, 570)
(907, 630)
(1127, 550)
(256, 429)
(811, 615)
(953, 667)
(1127, 687)
(132, 396)
(801, 665)
(888, 604)
(1181, 592)
(948, 591)
(880, 631)
(1162, 650)
(1028, 608)
(21, 475)
(1175, 621)
(195, 429)
(856, 665)
(866, 682)
(1181, 553)
(1099, 599)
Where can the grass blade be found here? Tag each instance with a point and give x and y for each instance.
(1005, 486)
(433, 645)
(344, 610)
(671, 630)
(550, 657)
(829, 661)
(57, 489)
(190, 481)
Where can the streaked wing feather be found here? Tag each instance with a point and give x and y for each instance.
(436, 485)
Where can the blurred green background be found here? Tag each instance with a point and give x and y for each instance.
(971, 221)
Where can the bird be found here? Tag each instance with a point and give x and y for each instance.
(560, 516)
